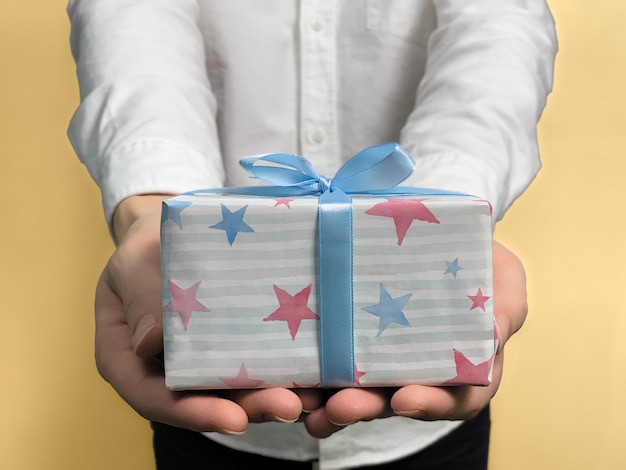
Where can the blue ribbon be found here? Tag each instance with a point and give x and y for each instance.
(374, 171)
(335, 289)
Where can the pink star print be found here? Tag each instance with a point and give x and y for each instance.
(284, 202)
(468, 373)
(242, 380)
(184, 302)
(478, 300)
(293, 309)
(357, 375)
(403, 212)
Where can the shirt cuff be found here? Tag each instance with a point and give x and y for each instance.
(155, 167)
(466, 175)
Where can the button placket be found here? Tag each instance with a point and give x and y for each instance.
(318, 88)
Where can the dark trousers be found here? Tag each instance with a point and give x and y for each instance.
(465, 448)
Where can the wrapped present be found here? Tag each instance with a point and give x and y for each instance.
(310, 282)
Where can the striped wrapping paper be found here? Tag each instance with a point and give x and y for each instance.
(240, 291)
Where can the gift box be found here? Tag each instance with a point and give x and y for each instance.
(326, 283)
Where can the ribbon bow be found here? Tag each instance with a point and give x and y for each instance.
(373, 169)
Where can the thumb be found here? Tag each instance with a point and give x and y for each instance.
(510, 297)
(147, 336)
(134, 273)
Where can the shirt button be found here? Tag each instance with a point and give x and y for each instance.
(317, 136)
(317, 26)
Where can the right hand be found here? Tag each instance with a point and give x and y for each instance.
(129, 336)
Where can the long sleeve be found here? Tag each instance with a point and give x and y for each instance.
(146, 121)
(487, 77)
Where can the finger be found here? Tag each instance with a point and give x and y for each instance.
(431, 403)
(449, 403)
(358, 404)
(133, 272)
(201, 412)
(346, 407)
(271, 404)
(319, 426)
(311, 398)
(140, 384)
(510, 296)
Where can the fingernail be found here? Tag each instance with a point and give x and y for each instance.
(232, 433)
(283, 420)
(418, 414)
(498, 344)
(342, 424)
(145, 325)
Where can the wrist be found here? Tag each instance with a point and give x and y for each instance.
(132, 209)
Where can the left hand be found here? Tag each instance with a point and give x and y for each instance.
(129, 335)
(350, 405)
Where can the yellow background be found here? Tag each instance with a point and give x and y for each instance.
(561, 404)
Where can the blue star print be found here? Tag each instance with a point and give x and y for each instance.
(389, 310)
(232, 223)
(174, 208)
(453, 267)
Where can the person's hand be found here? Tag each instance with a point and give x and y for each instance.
(433, 403)
(129, 337)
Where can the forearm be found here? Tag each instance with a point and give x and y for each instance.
(146, 121)
(487, 79)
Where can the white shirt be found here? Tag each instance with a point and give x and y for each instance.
(174, 93)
